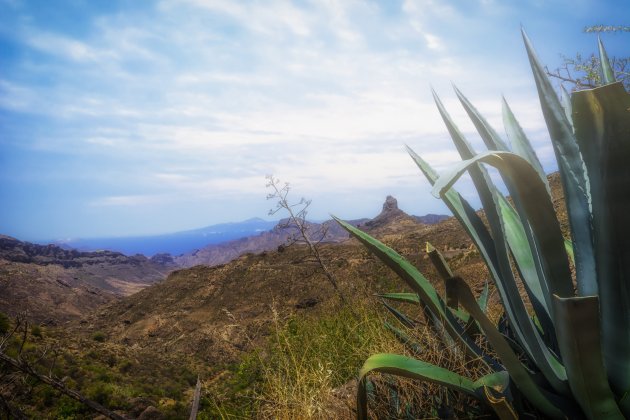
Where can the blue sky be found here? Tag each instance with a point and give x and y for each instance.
(138, 117)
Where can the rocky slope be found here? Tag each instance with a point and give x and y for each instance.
(215, 313)
(54, 284)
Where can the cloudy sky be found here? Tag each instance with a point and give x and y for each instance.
(137, 117)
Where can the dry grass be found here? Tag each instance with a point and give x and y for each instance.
(310, 372)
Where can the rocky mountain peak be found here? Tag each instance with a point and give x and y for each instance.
(390, 204)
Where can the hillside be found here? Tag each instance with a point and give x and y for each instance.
(216, 313)
(54, 284)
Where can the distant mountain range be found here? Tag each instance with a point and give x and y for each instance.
(176, 243)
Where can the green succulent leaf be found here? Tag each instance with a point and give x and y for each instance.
(521, 377)
(419, 284)
(603, 133)
(401, 297)
(404, 366)
(520, 143)
(575, 180)
(401, 317)
(483, 298)
(580, 342)
(489, 136)
(566, 104)
(440, 264)
(404, 338)
(608, 75)
(550, 243)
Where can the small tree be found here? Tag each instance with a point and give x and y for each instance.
(583, 72)
(306, 233)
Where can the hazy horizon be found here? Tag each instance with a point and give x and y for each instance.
(138, 118)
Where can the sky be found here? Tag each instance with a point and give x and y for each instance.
(122, 118)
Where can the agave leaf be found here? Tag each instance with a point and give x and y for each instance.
(521, 377)
(483, 298)
(401, 297)
(500, 405)
(419, 284)
(520, 143)
(603, 132)
(608, 75)
(575, 180)
(438, 261)
(402, 318)
(489, 136)
(500, 271)
(539, 211)
(521, 247)
(522, 252)
(516, 231)
(537, 207)
(580, 342)
(526, 334)
(566, 104)
(404, 338)
(416, 369)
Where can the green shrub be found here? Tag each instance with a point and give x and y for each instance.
(36, 331)
(99, 336)
(5, 323)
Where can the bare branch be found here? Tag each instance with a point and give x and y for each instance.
(297, 216)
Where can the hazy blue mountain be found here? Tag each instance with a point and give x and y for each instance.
(173, 243)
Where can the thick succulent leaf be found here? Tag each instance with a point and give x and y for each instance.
(537, 207)
(516, 231)
(464, 213)
(522, 252)
(608, 75)
(526, 334)
(401, 297)
(539, 211)
(580, 343)
(404, 338)
(483, 297)
(489, 136)
(537, 290)
(603, 133)
(416, 369)
(575, 180)
(502, 276)
(500, 405)
(566, 105)
(401, 317)
(521, 377)
(438, 261)
(419, 284)
(520, 143)
(501, 271)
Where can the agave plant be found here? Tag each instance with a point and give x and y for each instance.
(569, 353)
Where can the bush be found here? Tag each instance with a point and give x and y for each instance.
(36, 331)
(5, 323)
(99, 336)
